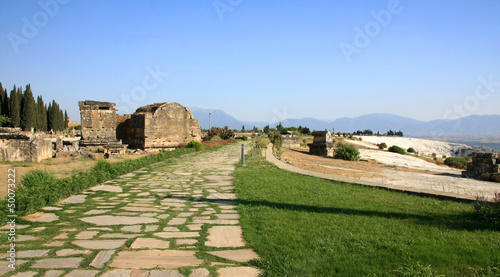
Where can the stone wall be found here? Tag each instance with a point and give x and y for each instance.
(484, 166)
(98, 123)
(288, 139)
(162, 125)
(24, 146)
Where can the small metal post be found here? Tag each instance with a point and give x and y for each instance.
(242, 154)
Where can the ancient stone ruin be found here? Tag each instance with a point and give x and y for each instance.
(322, 144)
(16, 145)
(484, 166)
(156, 126)
(288, 139)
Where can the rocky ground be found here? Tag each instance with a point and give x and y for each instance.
(169, 219)
(406, 171)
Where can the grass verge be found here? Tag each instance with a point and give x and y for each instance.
(305, 226)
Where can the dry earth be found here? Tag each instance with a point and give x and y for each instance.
(390, 168)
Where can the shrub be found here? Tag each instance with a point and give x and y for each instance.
(215, 138)
(347, 152)
(261, 142)
(397, 149)
(244, 138)
(382, 146)
(198, 146)
(460, 163)
(223, 133)
(411, 150)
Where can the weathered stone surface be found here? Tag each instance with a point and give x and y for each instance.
(41, 217)
(133, 228)
(86, 234)
(199, 272)
(61, 236)
(238, 272)
(151, 228)
(107, 188)
(228, 216)
(106, 220)
(120, 236)
(140, 209)
(26, 274)
(58, 263)
(76, 199)
(126, 273)
(169, 235)
(4, 266)
(102, 258)
(51, 208)
(71, 252)
(218, 195)
(225, 236)
(23, 146)
(99, 244)
(186, 241)
(53, 273)
(155, 259)
(54, 244)
(95, 212)
(32, 253)
(82, 273)
(177, 221)
(240, 255)
(20, 238)
(165, 273)
(150, 243)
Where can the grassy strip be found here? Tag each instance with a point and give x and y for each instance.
(39, 188)
(305, 226)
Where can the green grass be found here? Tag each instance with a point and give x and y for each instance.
(305, 226)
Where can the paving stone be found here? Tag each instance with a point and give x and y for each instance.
(171, 229)
(20, 238)
(225, 236)
(77, 199)
(100, 229)
(177, 221)
(69, 211)
(68, 230)
(133, 228)
(151, 228)
(194, 227)
(58, 263)
(238, 272)
(120, 236)
(61, 236)
(94, 212)
(170, 235)
(228, 216)
(163, 216)
(185, 214)
(71, 252)
(51, 208)
(107, 188)
(53, 273)
(26, 274)
(126, 213)
(199, 272)
(32, 253)
(216, 221)
(99, 244)
(240, 255)
(82, 273)
(123, 195)
(139, 209)
(17, 227)
(155, 259)
(150, 243)
(149, 214)
(102, 258)
(104, 220)
(54, 244)
(165, 273)
(41, 217)
(86, 234)
(37, 229)
(186, 241)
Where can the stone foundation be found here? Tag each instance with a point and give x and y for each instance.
(322, 144)
(288, 139)
(484, 166)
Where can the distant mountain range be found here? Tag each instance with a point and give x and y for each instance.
(474, 125)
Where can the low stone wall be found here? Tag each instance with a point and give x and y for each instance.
(23, 146)
(484, 166)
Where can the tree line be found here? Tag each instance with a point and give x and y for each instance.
(19, 109)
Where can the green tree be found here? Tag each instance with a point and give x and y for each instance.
(280, 127)
(42, 114)
(29, 112)
(66, 119)
(15, 106)
(243, 129)
(266, 129)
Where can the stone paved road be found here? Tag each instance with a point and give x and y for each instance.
(164, 220)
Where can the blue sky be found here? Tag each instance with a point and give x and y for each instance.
(259, 60)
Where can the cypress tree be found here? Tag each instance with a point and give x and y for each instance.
(15, 107)
(42, 115)
(66, 119)
(29, 112)
(52, 116)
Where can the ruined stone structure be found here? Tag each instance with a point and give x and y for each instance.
(160, 125)
(156, 126)
(24, 146)
(98, 123)
(484, 166)
(288, 139)
(322, 144)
